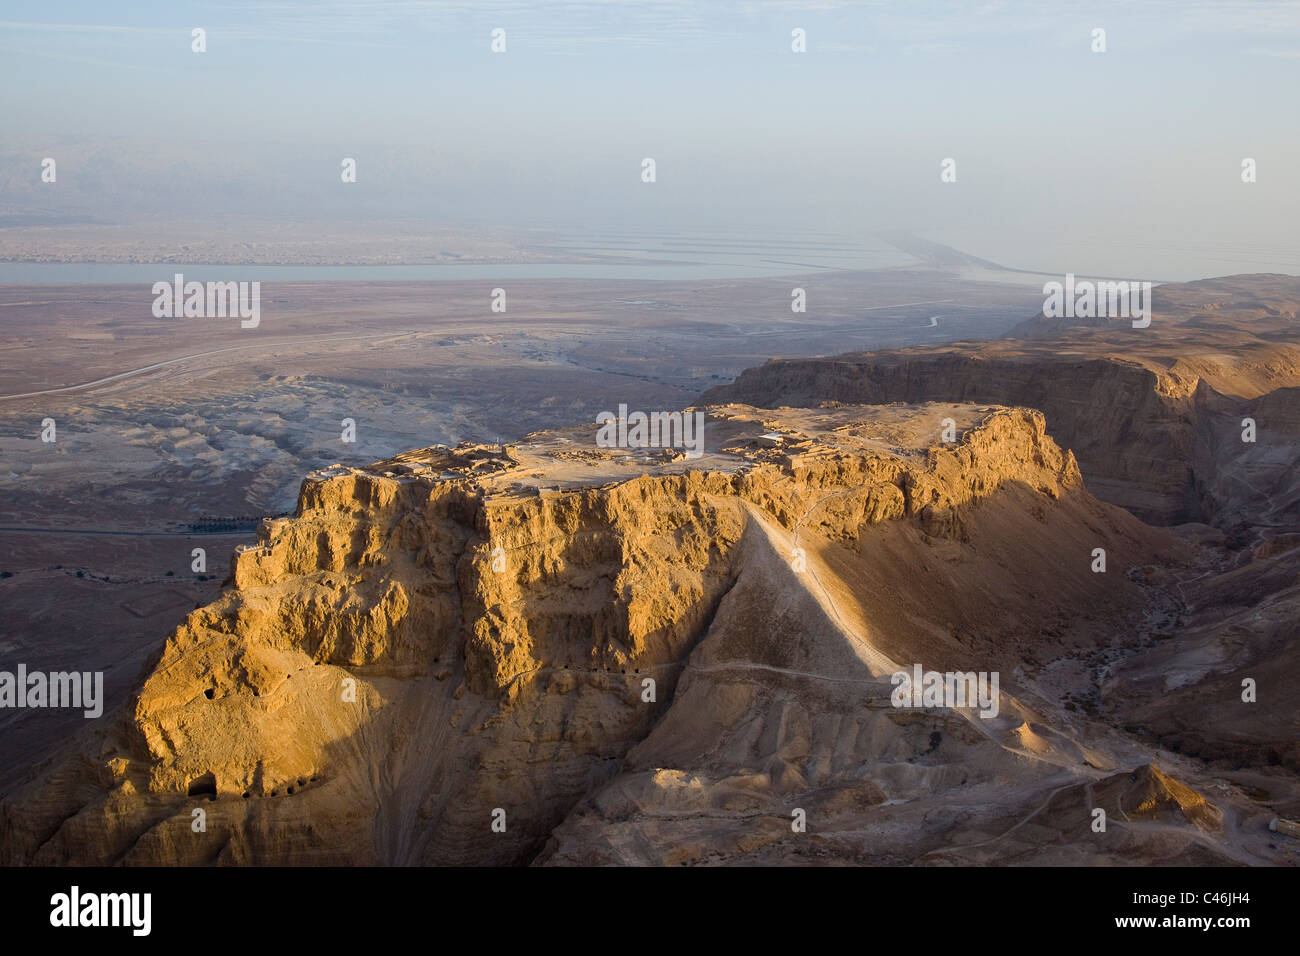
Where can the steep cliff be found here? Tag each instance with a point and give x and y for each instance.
(1193, 419)
(1155, 415)
(443, 657)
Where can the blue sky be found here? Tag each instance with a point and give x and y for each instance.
(1145, 139)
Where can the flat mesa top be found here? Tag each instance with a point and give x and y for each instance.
(734, 439)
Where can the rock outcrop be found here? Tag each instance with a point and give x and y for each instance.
(551, 651)
(1155, 415)
(1192, 422)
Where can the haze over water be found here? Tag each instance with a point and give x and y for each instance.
(1066, 159)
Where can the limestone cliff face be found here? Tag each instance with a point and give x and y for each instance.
(410, 654)
(1157, 439)
(1153, 414)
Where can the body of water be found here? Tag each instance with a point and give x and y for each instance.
(22, 273)
(626, 257)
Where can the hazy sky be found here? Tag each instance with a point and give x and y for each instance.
(1126, 162)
